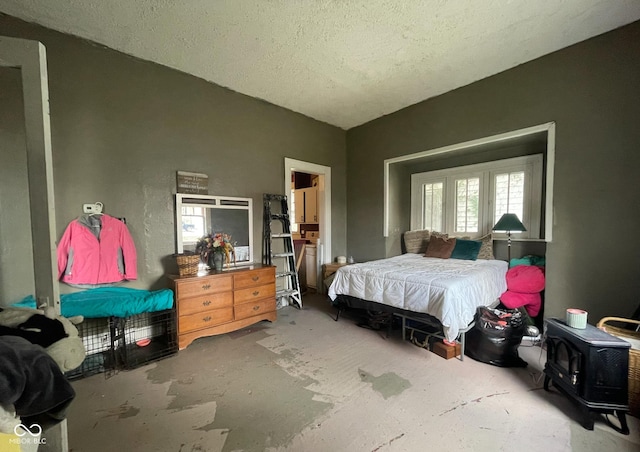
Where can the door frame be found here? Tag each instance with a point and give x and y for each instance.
(30, 58)
(324, 201)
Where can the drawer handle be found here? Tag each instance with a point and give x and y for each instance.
(206, 303)
(206, 319)
(255, 308)
(255, 278)
(206, 286)
(256, 293)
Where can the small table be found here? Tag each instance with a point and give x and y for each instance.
(328, 270)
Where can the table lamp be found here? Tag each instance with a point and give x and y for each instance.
(509, 222)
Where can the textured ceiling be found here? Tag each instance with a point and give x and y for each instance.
(342, 62)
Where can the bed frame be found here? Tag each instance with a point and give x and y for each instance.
(346, 301)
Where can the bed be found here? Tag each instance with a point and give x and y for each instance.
(446, 291)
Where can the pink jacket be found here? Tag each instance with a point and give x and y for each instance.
(96, 249)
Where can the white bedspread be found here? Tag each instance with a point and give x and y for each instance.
(447, 289)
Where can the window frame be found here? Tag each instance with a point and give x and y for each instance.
(452, 214)
(532, 165)
(422, 200)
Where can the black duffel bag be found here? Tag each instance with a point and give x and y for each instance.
(495, 337)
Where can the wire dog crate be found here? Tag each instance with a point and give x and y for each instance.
(117, 343)
(144, 338)
(100, 357)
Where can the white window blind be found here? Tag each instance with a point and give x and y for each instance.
(432, 205)
(509, 196)
(467, 204)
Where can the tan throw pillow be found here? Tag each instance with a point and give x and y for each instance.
(442, 235)
(440, 247)
(486, 250)
(416, 241)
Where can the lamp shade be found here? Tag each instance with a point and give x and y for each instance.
(509, 222)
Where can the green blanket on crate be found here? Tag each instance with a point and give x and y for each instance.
(109, 301)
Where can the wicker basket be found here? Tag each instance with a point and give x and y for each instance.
(634, 357)
(187, 264)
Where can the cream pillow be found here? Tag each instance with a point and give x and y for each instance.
(416, 241)
(486, 250)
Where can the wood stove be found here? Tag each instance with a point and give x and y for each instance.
(591, 367)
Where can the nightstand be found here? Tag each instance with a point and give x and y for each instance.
(328, 270)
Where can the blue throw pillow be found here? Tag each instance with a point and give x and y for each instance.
(466, 249)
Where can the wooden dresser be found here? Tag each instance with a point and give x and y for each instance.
(217, 303)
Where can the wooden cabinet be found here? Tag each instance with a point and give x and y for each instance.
(298, 196)
(306, 205)
(311, 205)
(217, 303)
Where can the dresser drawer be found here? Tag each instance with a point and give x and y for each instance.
(204, 319)
(254, 278)
(254, 293)
(246, 310)
(207, 302)
(204, 286)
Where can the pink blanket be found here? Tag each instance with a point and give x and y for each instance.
(531, 301)
(525, 279)
(524, 284)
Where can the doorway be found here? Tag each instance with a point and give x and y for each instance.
(320, 176)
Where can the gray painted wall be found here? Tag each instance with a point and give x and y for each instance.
(591, 91)
(122, 127)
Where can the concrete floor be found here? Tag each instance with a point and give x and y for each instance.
(307, 383)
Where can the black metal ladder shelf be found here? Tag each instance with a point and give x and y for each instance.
(278, 244)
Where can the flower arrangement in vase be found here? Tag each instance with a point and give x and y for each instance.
(216, 245)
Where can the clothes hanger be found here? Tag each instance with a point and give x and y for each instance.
(98, 208)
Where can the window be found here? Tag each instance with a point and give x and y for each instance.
(467, 203)
(432, 205)
(469, 200)
(509, 196)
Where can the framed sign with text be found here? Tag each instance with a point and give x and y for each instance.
(194, 183)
